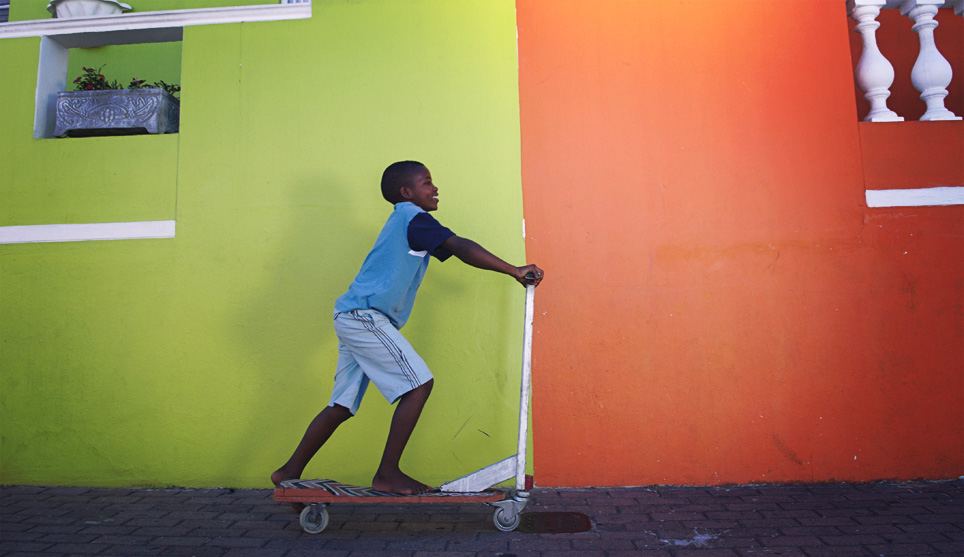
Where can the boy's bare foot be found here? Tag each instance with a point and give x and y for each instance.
(399, 483)
(281, 475)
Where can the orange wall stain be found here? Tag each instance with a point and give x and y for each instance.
(720, 304)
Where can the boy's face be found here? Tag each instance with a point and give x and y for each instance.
(422, 192)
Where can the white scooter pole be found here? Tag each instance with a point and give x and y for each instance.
(520, 462)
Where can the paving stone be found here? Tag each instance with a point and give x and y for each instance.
(755, 532)
(254, 552)
(76, 548)
(192, 551)
(189, 541)
(892, 519)
(19, 536)
(63, 538)
(396, 547)
(940, 518)
(905, 549)
(714, 524)
(810, 531)
(793, 514)
(539, 544)
(955, 535)
(602, 543)
(949, 547)
(681, 516)
(162, 531)
(848, 513)
(316, 553)
(356, 544)
(704, 553)
(128, 551)
(839, 551)
(791, 541)
(770, 523)
(871, 529)
(853, 539)
(22, 546)
(782, 551)
(489, 545)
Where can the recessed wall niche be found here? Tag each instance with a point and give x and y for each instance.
(62, 56)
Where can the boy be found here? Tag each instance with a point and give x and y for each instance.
(368, 317)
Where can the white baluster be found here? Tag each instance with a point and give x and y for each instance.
(874, 73)
(932, 72)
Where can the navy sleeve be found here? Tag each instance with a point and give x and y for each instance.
(426, 234)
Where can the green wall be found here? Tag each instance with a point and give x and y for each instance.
(199, 360)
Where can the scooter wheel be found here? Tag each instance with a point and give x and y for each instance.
(505, 521)
(314, 519)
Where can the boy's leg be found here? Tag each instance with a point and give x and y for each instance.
(389, 361)
(318, 432)
(347, 392)
(389, 476)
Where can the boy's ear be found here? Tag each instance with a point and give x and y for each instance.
(406, 192)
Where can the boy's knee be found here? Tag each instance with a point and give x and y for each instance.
(422, 391)
(340, 412)
(427, 386)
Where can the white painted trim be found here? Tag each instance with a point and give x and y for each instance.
(86, 232)
(51, 78)
(916, 197)
(154, 20)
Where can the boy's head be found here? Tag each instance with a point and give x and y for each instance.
(409, 181)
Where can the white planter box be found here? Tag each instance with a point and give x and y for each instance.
(86, 8)
(116, 112)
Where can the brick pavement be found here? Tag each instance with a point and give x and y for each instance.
(920, 518)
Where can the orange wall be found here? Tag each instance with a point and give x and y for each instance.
(720, 304)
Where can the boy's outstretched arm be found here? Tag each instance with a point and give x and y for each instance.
(477, 256)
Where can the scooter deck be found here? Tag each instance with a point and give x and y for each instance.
(330, 491)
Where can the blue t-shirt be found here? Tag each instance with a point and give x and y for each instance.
(393, 270)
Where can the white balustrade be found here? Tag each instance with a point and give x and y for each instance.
(874, 73)
(932, 73)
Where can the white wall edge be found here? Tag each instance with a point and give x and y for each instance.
(154, 20)
(86, 232)
(916, 197)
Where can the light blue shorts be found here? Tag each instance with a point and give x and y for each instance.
(370, 348)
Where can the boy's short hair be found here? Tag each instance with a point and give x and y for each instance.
(397, 176)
